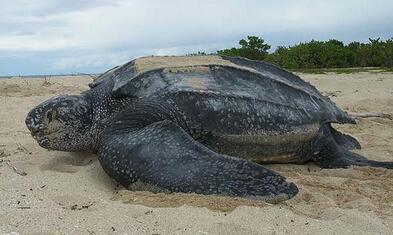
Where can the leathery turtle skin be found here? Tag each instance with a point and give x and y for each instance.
(200, 124)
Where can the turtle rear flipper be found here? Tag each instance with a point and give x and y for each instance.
(344, 140)
(333, 151)
(163, 155)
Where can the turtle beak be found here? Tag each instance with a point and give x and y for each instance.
(36, 131)
(32, 123)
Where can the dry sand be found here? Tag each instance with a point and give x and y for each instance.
(56, 192)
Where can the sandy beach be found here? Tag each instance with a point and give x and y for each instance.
(49, 192)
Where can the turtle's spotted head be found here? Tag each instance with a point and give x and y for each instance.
(62, 123)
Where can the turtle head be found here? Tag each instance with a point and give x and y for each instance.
(62, 123)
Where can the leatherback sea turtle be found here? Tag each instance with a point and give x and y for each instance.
(199, 124)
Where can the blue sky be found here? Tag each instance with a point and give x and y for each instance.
(71, 36)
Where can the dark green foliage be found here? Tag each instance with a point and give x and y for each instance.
(334, 54)
(317, 54)
(253, 48)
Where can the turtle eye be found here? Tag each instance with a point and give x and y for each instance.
(50, 115)
(80, 109)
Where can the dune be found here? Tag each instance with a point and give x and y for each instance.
(68, 193)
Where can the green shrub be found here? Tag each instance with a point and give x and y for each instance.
(253, 48)
(317, 54)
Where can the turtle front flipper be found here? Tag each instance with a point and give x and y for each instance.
(163, 155)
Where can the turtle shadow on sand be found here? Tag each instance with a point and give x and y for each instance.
(69, 162)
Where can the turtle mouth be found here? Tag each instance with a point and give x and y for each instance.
(40, 137)
(39, 133)
(43, 142)
(43, 137)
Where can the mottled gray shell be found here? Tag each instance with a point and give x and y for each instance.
(126, 73)
(230, 77)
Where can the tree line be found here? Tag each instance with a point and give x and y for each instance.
(316, 54)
